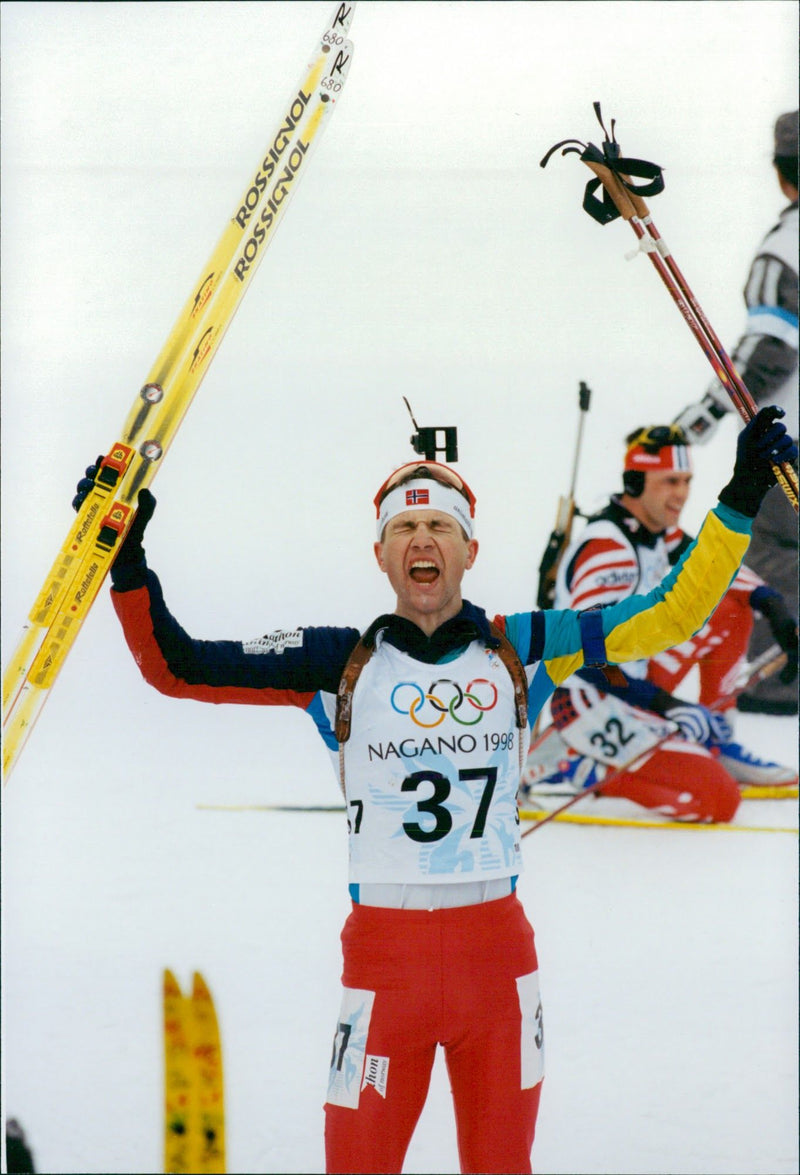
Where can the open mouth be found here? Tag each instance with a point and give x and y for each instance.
(423, 571)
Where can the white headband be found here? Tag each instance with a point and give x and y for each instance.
(424, 493)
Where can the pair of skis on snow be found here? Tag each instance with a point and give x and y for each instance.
(194, 1105)
(88, 551)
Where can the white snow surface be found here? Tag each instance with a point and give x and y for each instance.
(427, 255)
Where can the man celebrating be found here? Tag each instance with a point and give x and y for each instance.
(425, 718)
(626, 549)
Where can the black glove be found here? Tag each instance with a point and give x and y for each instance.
(762, 443)
(86, 484)
(131, 553)
(783, 625)
(129, 565)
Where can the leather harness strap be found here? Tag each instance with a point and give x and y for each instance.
(347, 684)
(508, 655)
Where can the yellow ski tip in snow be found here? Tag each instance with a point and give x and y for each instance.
(751, 792)
(194, 1105)
(634, 822)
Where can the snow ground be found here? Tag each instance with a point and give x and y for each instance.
(426, 254)
(668, 964)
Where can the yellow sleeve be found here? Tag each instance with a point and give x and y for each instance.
(690, 595)
(641, 626)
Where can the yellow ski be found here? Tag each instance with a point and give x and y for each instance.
(635, 822)
(88, 551)
(207, 1138)
(178, 1079)
(194, 1102)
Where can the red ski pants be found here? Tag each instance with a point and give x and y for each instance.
(681, 779)
(465, 978)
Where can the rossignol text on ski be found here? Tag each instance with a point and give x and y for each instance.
(80, 567)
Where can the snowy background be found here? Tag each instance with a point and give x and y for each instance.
(426, 254)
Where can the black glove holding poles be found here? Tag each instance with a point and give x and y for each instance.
(128, 566)
(762, 443)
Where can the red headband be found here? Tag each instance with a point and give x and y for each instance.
(669, 457)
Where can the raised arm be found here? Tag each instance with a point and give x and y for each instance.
(279, 668)
(641, 626)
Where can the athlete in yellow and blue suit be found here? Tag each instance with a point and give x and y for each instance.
(437, 949)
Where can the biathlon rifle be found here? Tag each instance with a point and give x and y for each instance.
(430, 443)
(562, 532)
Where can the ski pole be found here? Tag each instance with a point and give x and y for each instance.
(668, 270)
(633, 208)
(763, 666)
(622, 198)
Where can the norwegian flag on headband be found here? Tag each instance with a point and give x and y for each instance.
(417, 498)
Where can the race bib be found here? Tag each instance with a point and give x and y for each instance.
(531, 1030)
(350, 1048)
(614, 733)
(432, 770)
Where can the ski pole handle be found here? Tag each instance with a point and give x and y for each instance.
(620, 195)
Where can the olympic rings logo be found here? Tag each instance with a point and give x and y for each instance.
(409, 698)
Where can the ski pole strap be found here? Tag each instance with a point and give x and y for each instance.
(609, 166)
(606, 210)
(347, 684)
(508, 655)
(593, 642)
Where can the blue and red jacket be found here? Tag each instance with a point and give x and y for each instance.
(303, 667)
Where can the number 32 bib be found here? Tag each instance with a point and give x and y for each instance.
(431, 770)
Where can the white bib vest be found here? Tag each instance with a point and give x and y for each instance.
(431, 770)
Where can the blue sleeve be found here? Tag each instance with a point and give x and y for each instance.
(281, 668)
